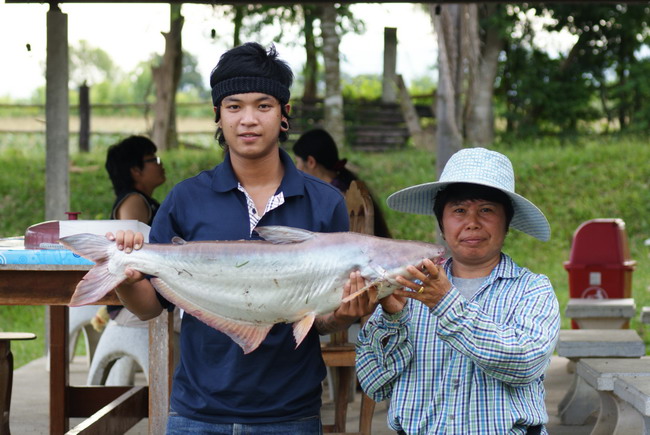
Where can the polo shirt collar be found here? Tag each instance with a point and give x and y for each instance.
(293, 184)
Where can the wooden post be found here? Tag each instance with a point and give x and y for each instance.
(57, 105)
(84, 118)
(161, 370)
(59, 369)
(388, 89)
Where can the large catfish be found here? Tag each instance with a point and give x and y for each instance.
(242, 288)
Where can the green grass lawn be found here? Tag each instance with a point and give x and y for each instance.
(571, 180)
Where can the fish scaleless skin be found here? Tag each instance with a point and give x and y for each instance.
(242, 288)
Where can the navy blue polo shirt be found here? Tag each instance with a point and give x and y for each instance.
(215, 381)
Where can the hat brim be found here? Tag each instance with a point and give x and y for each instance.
(419, 199)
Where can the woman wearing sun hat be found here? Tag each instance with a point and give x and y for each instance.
(464, 347)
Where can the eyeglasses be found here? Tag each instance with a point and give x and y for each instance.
(153, 159)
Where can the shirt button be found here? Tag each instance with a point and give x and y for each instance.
(452, 417)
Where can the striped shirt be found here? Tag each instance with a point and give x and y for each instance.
(465, 367)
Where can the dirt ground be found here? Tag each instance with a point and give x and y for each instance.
(106, 124)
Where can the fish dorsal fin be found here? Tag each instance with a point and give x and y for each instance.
(178, 241)
(283, 235)
(246, 335)
(301, 327)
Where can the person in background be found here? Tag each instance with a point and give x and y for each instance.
(135, 172)
(464, 346)
(217, 388)
(317, 155)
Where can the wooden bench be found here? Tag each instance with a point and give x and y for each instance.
(617, 414)
(635, 390)
(601, 313)
(7, 374)
(581, 400)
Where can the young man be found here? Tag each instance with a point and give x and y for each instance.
(276, 388)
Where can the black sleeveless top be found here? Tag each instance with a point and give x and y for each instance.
(151, 203)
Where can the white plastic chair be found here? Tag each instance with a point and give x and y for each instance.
(120, 351)
(79, 321)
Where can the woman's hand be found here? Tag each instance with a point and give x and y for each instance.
(434, 287)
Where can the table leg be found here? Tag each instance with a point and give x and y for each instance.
(579, 402)
(59, 370)
(6, 377)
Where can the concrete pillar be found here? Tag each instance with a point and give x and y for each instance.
(389, 89)
(57, 105)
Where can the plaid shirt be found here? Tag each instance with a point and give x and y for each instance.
(465, 367)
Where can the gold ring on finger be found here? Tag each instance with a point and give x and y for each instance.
(421, 290)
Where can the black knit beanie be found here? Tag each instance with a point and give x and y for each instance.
(251, 68)
(243, 85)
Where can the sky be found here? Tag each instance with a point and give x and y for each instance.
(130, 33)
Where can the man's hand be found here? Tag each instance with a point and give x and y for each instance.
(128, 241)
(360, 306)
(347, 312)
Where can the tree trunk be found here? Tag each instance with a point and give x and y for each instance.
(310, 92)
(166, 77)
(480, 120)
(446, 19)
(238, 22)
(333, 122)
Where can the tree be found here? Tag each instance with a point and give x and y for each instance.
(334, 117)
(609, 36)
(90, 64)
(310, 71)
(450, 23)
(479, 124)
(166, 77)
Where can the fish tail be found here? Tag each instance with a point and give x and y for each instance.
(99, 280)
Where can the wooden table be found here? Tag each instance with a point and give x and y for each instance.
(110, 409)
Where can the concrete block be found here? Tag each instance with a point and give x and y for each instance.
(600, 343)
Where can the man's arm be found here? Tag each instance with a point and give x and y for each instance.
(136, 293)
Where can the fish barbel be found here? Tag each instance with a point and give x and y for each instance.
(242, 288)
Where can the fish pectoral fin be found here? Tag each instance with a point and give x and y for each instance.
(178, 241)
(302, 327)
(284, 235)
(248, 336)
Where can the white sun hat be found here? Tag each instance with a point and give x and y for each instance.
(476, 166)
